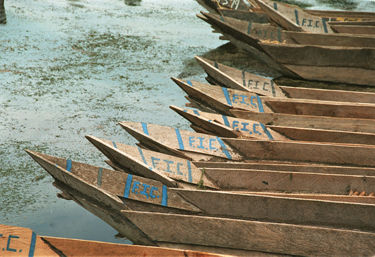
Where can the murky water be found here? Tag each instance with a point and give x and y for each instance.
(69, 68)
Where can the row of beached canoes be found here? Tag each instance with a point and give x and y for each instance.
(270, 169)
(300, 44)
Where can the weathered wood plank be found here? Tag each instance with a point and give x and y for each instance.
(354, 29)
(185, 140)
(253, 235)
(341, 154)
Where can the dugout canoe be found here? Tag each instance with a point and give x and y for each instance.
(231, 77)
(293, 151)
(146, 194)
(183, 143)
(349, 65)
(21, 242)
(239, 6)
(253, 235)
(227, 126)
(234, 178)
(226, 99)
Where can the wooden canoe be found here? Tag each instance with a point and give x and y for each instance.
(24, 242)
(324, 63)
(141, 193)
(218, 6)
(243, 80)
(239, 178)
(186, 144)
(227, 126)
(253, 235)
(226, 99)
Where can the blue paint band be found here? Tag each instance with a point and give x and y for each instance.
(243, 79)
(145, 129)
(279, 34)
(222, 18)
(226, 94)
(190, 177)
(260, 105)
(296, 14)
(142, 155)
(114, 144)
(226, 121)
(273, 88)
(189, 83)
(179, 139)
(216, 65)
(249, 27)
(100, 174)
(275, 6)
(266, 131)
(196, 112)
(69, 165)
(164, 199)
(129, 180)
(32, 244)
(224, 148)
(324, 25)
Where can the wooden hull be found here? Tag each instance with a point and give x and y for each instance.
(240, 79)
(226, 126)
(306, 56)
(24, 242)
(252, 235)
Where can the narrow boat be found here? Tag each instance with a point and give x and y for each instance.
(237, 177)
(253, 235)
(226, 99)
(145, 194)
(21, 241)
(227, 76)
(346, 64)
(227, 126)
(183, 143)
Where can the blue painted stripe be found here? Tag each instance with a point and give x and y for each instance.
(196, 112)
(190, 177)
(296, 14)
(222, 18)
(189, 83)
(226, 94)
(127, 185)
(249, 27)
(164, 199)
(260, 105)
(224, 148)
(179, 139)
(32, 244)
(69, 165)
(114, 144)
(142, 155)
(145, 129)
(226, 121)
(100, 174)
(216, 65)
(266, 131)
(275, 6)
(324, 25)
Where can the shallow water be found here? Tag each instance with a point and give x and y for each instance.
(69, 68)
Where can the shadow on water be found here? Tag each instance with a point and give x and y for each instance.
(133, 2)
(229, 55)
(340, 4)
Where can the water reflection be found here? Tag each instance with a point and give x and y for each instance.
(302, 4)
(133, 2)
